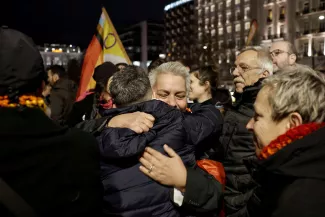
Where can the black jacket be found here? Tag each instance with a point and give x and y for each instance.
(293, 179)
(54, 169)
(128, 192)
(237, 144)
(62, 98)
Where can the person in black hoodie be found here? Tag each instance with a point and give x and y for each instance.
(128, 192)
(62, 95)
(252, 65)
(46, 170)
(289, 128)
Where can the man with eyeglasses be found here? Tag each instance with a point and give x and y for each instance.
(283, 54)
(251, 66)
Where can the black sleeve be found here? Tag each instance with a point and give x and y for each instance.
(204, 121)
(203, 192)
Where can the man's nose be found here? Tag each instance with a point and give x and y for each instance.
(235, 73)
(250, 124)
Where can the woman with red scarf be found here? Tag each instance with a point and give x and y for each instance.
(289, 131)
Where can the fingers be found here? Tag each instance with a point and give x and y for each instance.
(145, 162)
(148, 123)
(146, 172)
(170, 151)
(155, 154)
(148, 117)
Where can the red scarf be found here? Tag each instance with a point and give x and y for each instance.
(289, 137)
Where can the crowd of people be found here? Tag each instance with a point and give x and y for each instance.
(135, 146)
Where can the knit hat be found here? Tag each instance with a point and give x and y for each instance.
(104, 71)
(21, 65)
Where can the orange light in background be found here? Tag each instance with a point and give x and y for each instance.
(57, 51)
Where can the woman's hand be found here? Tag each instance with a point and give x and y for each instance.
(168, 171)
(139, 122)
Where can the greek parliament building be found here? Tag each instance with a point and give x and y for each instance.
(58, 54)
(213, 31)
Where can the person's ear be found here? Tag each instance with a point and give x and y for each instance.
(292, 59)
(114, 106)
(265, 74)
(207, 85)
(294, 120)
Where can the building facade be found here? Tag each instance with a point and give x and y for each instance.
(310, 33)
(59, 54)
(180, 32)
(223, 26)
(143, 42)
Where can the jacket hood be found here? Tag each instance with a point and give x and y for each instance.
(303, 158)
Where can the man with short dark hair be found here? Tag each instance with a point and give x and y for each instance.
(283, 54)
(130, 87)
(63, 94)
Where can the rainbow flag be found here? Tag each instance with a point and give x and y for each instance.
(105, 46)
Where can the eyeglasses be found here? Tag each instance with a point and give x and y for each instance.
(241, 70)
(277, 52)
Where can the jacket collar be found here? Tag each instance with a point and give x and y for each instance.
(249, 94)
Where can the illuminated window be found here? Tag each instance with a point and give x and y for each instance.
(220, 31)
(247, 25)
(206, 10)
(237, 2)
(247, 11)
(270, 16)
(229, 30)
(213, 32)
(220, 20)
(206, 21)
(228, 3)
(282, 13)
(200, 12)
(213, 7)
(237, 27)
(228, 17)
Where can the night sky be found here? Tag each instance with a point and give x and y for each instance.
(74, 21)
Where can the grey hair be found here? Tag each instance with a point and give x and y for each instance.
(174, 68)
(297, 89)
(130, 86)
(264, 59)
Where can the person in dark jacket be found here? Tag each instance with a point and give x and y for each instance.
(289, 128)
(63, 94)
(46, 170)
(128, 192)
(204, 90)
(252, 65)
(97, 99)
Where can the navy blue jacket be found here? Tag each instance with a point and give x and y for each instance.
(128, 192)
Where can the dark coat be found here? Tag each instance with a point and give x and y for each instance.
(293, 179)
(62, 98)
(237, 144)
(54, 169)
(128, 192)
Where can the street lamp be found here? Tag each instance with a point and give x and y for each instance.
(205, 47)
(321, 17)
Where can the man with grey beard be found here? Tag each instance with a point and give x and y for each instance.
(252, 65)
